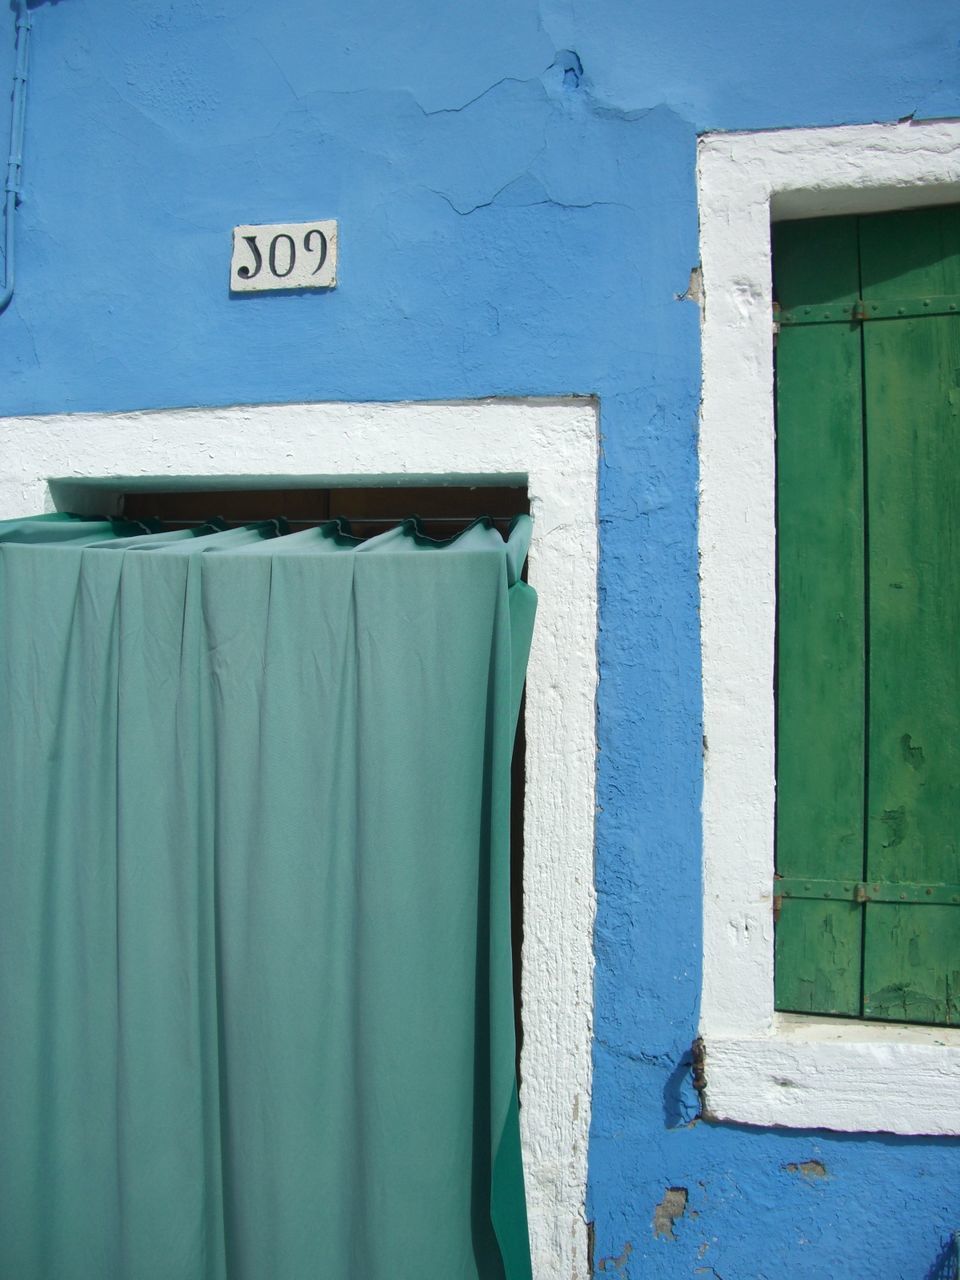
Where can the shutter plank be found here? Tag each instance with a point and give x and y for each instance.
(820, 627)
(912, 374)
(912, 964)
(911, 254)
(817, 957)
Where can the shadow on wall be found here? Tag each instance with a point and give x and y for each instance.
(947, 1266)
(681, 1101)
(31, 5)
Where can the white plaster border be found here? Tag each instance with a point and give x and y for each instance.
(553, 445)
(761, 1067)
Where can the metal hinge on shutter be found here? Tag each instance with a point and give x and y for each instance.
(859, 891)
(861, 310)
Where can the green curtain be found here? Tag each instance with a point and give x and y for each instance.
(256, 1015)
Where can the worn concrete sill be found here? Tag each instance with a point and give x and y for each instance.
(831, 1073)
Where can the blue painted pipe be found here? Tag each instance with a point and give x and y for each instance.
(16, 149)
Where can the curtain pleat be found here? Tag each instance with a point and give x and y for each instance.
(255, 973)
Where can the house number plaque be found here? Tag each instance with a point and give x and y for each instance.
(286, 255)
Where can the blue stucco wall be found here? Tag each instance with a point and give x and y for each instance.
(515, 184)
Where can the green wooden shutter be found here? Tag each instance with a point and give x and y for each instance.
(868, 674)
(820, 648)
(911, 376)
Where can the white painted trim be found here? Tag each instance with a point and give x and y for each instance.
(834, 1074)
(761, 1068)
(553, 445)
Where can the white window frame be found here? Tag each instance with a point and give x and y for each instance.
(763, 1067)
(552, 446)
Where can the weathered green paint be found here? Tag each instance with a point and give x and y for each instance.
(815, 262)
(891, 563)
(913, 448)
(820, 619)
(910, 254)
(818, 956)
(912, 963)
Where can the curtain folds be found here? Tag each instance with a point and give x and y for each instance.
(255, 973)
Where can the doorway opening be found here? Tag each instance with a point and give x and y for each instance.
(82, 462)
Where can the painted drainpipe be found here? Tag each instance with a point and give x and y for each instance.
(16, 150)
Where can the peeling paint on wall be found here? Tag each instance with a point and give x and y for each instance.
(618, 1265)
(807, 1168)
(671, 1207)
